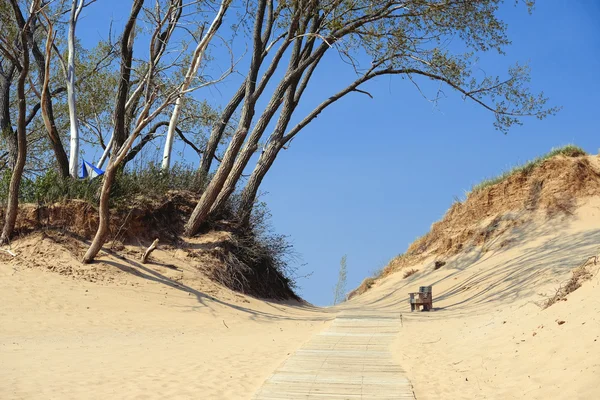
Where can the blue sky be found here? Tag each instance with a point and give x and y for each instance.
(369, 176)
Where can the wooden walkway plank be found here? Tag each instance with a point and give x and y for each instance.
(350, 360)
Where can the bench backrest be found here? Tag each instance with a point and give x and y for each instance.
(425, 289)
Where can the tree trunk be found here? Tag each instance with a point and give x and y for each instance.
(12, 206)
(103, 213)
(47, 109)
(252, 144)
(247, 91)
(285, 90)
(166, 161)
(120, 131)
(217, 132)
(120, 148)
(74, 122)
(251, 189)
(249, 149)
(59, 151)
(216, 184)
(6, 129)
(106, 152)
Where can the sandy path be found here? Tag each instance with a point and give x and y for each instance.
(350, 360)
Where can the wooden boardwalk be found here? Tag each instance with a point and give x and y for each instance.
(350, 360)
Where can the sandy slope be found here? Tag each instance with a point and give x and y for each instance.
(133, 337)
(489, 337)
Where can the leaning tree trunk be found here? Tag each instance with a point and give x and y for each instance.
(251, 189)
(166, 161)
(216, 184)
(120, 115)
(103, 214)
(252, 144)
(118, 140)
(219, 129)
(106, 152)
(12, 206)
(286, 89)
(250, 148)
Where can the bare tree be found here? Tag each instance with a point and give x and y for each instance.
(45, 104)
(19, 56)
(339, 291)
(153, 101)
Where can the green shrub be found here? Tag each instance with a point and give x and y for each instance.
(148, 183)
(152, 183)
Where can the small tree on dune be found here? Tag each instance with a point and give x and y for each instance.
(339, 291)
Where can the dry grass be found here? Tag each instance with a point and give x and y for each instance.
(580, 275)
(409, 272)
(365, 285)
(552, 184)
(569, 150)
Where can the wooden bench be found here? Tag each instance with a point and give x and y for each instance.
(423, 298)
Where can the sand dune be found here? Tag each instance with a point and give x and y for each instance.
(489, 337)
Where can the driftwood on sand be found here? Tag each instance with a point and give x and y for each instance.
(149, 250)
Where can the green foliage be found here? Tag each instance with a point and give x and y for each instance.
(141, 185)
(412, 41)
(260, 262)
(269, 248)
(51, 187)
(569, 150)
(339, 291)
(152, 183)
